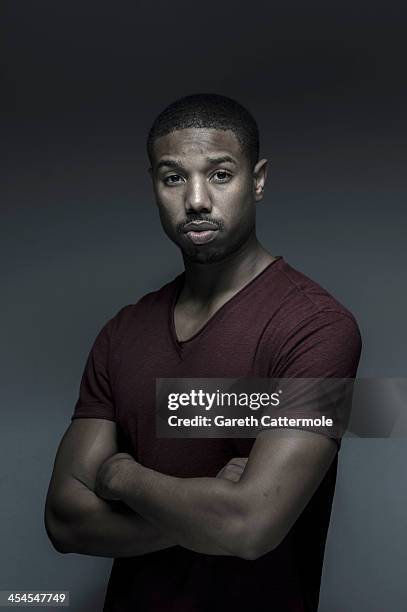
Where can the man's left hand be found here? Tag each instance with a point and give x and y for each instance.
(108, 475)
(234, 469)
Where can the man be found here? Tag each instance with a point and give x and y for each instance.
(200, 524)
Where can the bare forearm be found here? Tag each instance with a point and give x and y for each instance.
(92, 526)
(202, 514)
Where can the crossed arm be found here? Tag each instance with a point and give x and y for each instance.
(101, 502)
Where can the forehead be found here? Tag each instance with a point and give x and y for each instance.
(197, 142)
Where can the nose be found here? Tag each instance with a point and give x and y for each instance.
(197, 197)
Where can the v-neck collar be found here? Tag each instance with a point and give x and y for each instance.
(178, 285)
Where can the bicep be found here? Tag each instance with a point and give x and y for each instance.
(283, 472)
(84, 447)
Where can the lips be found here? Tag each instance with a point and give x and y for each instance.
(199, 226)
(201, 232)
(202, 237)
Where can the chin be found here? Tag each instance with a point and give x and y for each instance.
(199, 255)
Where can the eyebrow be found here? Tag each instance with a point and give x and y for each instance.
(222, 159)
(172, 163)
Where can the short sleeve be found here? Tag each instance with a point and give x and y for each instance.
(323, 346)
(95, 393)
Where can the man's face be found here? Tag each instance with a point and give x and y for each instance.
(206, 191)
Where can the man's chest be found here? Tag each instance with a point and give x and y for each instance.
(134, 391)
(190, 320)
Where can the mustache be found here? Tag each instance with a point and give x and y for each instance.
(197, 217)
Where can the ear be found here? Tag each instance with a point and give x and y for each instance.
(259, 179)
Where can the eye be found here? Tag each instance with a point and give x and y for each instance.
(222, 176)
(173, 179)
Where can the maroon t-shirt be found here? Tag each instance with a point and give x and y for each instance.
(281, 324)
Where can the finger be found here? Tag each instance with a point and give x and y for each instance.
(230, 473)
(239, 466)
(234, 476)
(239, 460)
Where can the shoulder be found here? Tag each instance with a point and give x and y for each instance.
(145, 307)
(302, 295)
(311, 327)
(294, 299)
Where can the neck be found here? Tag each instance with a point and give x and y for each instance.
(206, 282)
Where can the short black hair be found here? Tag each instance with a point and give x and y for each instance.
(208, 111)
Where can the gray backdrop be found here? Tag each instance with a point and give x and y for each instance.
(81, 235)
